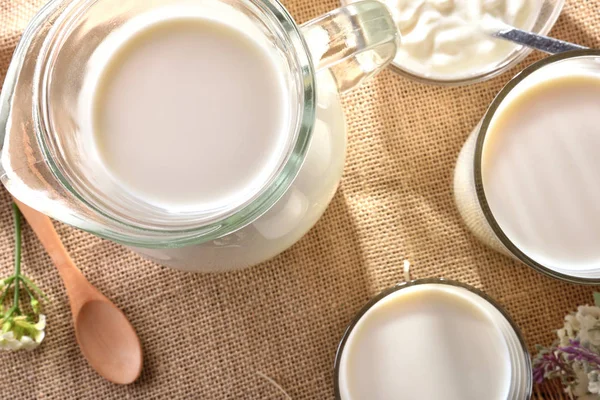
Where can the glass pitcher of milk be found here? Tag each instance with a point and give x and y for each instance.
(207, 135)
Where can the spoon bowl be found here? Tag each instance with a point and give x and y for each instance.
(108, 340)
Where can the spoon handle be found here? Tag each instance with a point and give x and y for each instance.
(533, 40)
(105, 336)
(78, 288)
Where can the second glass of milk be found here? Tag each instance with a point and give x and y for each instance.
(526, 181)
(207, 135)
(432, 339)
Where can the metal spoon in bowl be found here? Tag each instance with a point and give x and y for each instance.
(530, 39)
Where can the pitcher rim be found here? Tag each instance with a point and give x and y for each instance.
(145, 234)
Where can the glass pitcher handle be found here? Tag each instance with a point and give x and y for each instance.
(355, 41)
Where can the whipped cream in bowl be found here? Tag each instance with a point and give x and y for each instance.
(443, 42)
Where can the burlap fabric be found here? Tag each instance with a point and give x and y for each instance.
(212, 336)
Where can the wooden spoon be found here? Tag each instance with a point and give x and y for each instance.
(105, 336)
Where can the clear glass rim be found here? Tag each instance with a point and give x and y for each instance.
(513, 58)
(481, 197)
(416, 282)
(142, 235)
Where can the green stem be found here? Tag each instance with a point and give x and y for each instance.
(9, 280)
(17, 218)
(31, 296)
(33, 286)
(5, 292)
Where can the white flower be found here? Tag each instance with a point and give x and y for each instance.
(28, 343)
(29, 340)
(582, 380)
(40, 326)
(9, 342)
(589, 320)
(570, 330)
(594, 382)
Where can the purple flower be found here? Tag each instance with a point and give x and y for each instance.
(578, 352)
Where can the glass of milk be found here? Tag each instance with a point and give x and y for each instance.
(207, 135)
(432, 339)
(526, 179)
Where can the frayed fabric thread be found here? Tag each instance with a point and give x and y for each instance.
(277, 385)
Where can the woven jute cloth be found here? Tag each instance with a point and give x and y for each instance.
(214, 336)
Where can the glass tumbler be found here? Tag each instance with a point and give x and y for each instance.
(469, 189)
(509, 338)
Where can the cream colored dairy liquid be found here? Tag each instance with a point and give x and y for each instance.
(191, 113)
(294, 214)
(540, 169)
(427, 342)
